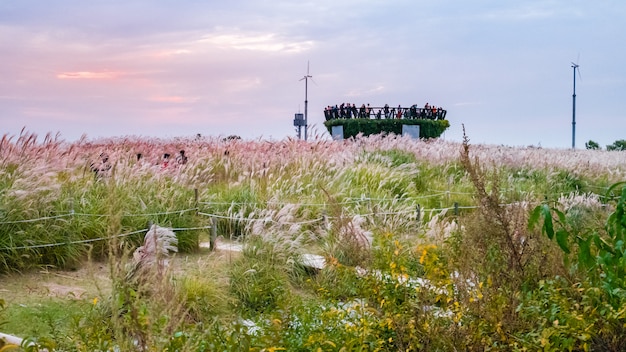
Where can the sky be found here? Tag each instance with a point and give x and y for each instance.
(161, 68)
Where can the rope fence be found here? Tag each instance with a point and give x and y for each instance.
(72, 213)
(47, 245)
(418, 211)
(36, 219)
(260, 219)
(212, 227)
(135, 215)
(182, 211)
(36, 246)
(213, 215)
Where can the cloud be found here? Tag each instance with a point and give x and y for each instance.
(268, 42)
(173, 99)
(531, 12)
(240, 85)
(88, 75)
(174, 52)
(366, 92)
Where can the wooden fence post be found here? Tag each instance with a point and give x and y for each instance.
(213, 234)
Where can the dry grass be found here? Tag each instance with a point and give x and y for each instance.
(90, 281)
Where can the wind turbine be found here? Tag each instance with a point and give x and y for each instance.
(306, 100)
(574, 68)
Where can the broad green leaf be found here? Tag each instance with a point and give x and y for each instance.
(548, 227)
(602, 244)
(584, 253)
(561, 239)
(616, 223)
(619, 245)
(609, 192)
(560, 215)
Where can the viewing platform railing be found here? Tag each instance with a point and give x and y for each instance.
(385, 112)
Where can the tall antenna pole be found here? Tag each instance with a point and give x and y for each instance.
(574, 67)
(306, 101)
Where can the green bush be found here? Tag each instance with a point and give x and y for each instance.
(337, 282)
(203, 297)
(618, 145)
(85, 218)
(259, 280)
(352, 127)
(595, 301)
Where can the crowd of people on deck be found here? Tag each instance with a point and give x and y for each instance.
(350, 111)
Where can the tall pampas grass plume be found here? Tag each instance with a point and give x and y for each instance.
(158, 243)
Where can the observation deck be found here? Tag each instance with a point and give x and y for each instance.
(348, 120)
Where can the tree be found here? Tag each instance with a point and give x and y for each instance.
(617, 145)
(592, 145)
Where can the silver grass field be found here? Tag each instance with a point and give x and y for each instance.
(428, 245)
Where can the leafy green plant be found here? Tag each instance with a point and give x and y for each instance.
(600, 252)
(336, 282)
(560, 316)
(600, 258)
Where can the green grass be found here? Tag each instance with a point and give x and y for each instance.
(44, 318)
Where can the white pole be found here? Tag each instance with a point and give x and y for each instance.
(574, 66)
(10, 339)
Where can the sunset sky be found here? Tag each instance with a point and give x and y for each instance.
(178, 68)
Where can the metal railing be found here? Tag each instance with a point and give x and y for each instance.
(386, 112)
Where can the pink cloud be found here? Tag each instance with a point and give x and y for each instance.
(88, 75)
(173, 53)
(173, 99)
